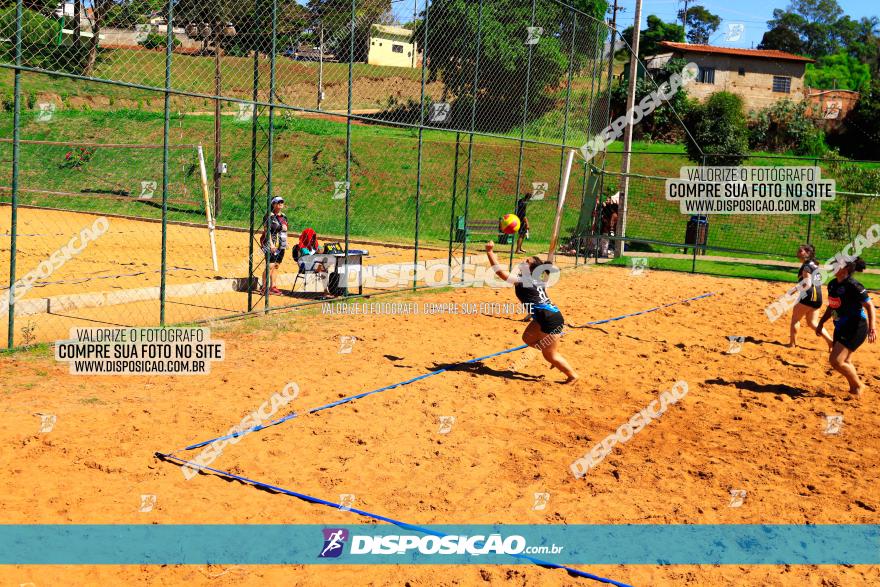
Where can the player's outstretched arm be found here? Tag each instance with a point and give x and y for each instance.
(493, 262)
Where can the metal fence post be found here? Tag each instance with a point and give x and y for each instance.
(16, 160)
(419, 157)
(567, 108)
(270, 148)
(467, 184)
(522, 136)
(348, 137)
(810, 216)
(577, 246)
(453, 202)
(169, 47)
(255, 114)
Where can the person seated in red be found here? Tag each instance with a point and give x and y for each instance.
(309, 247)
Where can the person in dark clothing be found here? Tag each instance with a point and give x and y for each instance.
(811, 299)
(545, 329)
(608, 222)
(521, 213)
(274, 242)
(854, 313)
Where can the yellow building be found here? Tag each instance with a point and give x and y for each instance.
(392, 45)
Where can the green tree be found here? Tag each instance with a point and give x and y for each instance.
(656, 32)
(861, 138)
(861, 39)
(335, 17)
(128, 13)
(662, 124)
(720, 129)
(701, 24)
(816, 23)
(838, 71)
(782, 38)
(500, 81)
(251, 22)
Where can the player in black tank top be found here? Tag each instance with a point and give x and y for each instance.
(811, 299)
(546, 328)
(854, 315)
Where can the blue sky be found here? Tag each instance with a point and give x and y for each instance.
(752, 14)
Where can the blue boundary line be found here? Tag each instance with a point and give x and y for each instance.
(351, 398)
(381, 518)
(648, 311)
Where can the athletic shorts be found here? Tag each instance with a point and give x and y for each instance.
(549, 321)
(812, 298)
(851, 333)
(277, 256)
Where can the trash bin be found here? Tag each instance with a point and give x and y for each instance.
(697, 233)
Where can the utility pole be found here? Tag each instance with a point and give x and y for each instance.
(684, 18)
(628, 132)
(614, 9)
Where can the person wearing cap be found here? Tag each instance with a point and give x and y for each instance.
(274, 242)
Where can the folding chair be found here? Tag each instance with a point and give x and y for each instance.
(302, 272)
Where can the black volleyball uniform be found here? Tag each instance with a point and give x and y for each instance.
(850, 320)
(812, 297)
(548, 316)
(277, 232)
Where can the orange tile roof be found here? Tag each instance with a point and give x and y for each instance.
(756, 53)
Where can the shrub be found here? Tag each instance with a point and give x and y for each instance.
(158, 41)
(784, 126)
(719, 127)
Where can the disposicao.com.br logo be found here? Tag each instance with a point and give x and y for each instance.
(479, 544)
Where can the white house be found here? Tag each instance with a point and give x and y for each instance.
(392, 45)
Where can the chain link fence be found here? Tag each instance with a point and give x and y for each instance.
(656, 225)
(144, 141)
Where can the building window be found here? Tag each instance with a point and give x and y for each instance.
(782, 84)
(397, 48)
(707, 75)
(742, 70)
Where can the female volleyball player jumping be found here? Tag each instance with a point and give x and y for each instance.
(545, 329)
(811, 300)
(853, 320)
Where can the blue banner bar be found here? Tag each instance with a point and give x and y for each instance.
(648, 544)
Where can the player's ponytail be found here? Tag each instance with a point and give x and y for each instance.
(856, 265)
